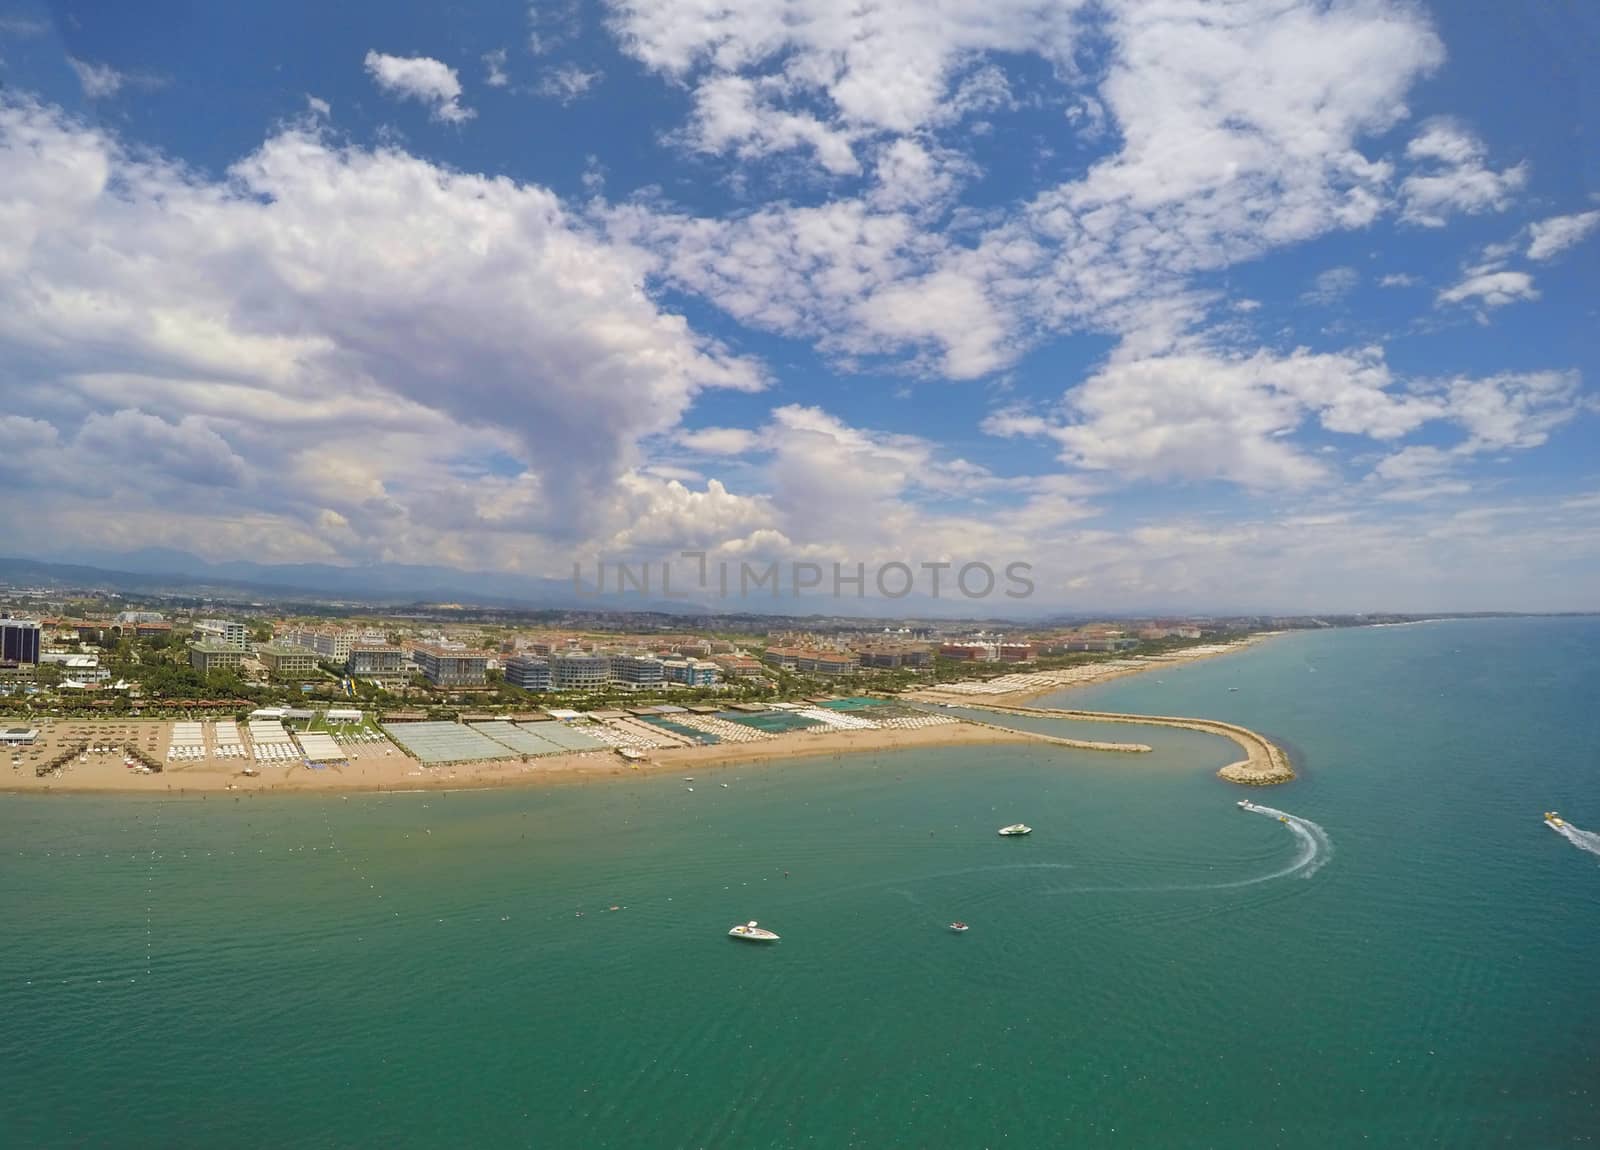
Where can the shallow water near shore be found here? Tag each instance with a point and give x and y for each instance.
(1152, 967)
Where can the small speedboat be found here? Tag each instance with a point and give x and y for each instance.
(1016, 829)
(1556, 821)
(753, 933)
(959, 927)
(1244, 804)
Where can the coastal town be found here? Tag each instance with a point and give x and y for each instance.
(98, 693)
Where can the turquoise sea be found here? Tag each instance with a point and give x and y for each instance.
(1415, 964)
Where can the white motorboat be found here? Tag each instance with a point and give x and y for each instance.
(960, 927)
(752, 933)
(1245, 805)
(1016, 829)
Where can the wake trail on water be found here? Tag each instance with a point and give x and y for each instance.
(1315, 848)
(1315, 845)
(1583, 840)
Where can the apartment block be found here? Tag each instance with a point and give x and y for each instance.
(288, 661)
(227, 632)
(451, 668)
(530, 672)
(207, 657)
(576, 671)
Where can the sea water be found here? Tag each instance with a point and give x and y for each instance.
(1409, 958)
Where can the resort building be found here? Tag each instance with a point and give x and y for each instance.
(530, 672)
(1063, 646)
(84, 669)
(329, 643)
(576, 671)
(286, 661)
(134, 617)
(209, 657)
(19, 641)
(151, 629)
(228, 632)
(812, 662)
(895, 657)
(972, 652)
(451, 668)
(691, 672)
(637, 671)
(739, 666)
(375, 661)
(1017, 652)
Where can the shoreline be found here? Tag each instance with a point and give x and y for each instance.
(1264, 763)
(105, 775)
(1087, 675)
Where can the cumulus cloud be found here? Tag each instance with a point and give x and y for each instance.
(1451, 176)
(1555, 235)
(247, 325)
(1204, 415)
(1208, 415)
(421, 78)
(860, 70)
(1238, 134)
(719, 440)
(1490, 288)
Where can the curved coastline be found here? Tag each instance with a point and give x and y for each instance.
(1265, 764)
(105, 775)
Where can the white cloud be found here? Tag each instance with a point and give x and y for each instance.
(825, 73)
(97, 80)
(1238, 133)
(552, 24)
(1451, 176)
(241, 328)
(1508, 412)
(1491, 288)
(719, 440)
(421, 78)
(1203, 415)
(1209, 415)
(568, 83)
(1555, 235)
(1331, 286)
(494, 66)
(318, 107)
(1398, 279)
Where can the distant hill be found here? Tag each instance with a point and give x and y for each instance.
(165, 570)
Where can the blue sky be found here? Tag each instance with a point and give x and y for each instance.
(1252, 305)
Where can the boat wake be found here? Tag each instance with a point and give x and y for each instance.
(1583, 840)
(1315, 845)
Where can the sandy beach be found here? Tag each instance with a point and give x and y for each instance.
(1016, 689)
(381, 766)
(372, 770)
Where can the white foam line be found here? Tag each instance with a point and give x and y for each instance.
(1315, 850)
(1315, 846)
(1583, 840)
